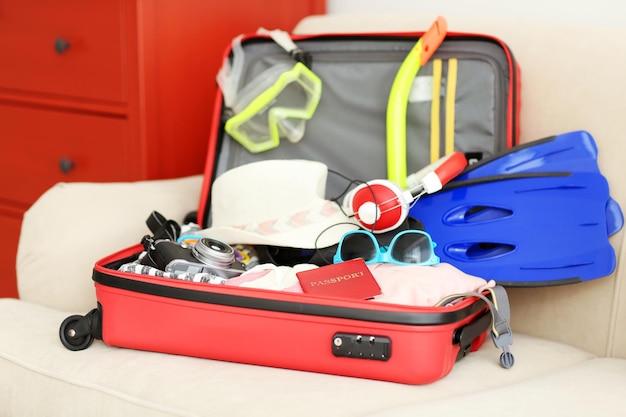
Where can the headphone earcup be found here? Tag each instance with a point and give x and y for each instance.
(378, 205)
(346, 205)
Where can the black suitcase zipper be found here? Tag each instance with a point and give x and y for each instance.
(441, 317)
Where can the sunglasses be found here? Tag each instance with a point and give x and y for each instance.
(409, 247)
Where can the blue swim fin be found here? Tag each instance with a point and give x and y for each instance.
(570, 152)
(525, 229)
(614, 217)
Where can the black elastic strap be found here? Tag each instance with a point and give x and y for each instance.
(162, 228)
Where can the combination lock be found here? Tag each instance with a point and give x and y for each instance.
(361, 346)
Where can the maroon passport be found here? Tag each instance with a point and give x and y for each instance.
(349, 279)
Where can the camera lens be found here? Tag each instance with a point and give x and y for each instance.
(213, 252)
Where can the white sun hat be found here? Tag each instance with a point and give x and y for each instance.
(278, 203)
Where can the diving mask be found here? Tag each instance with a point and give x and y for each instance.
(274, 105)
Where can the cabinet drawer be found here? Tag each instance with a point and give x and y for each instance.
(42, 147)
(34, 33)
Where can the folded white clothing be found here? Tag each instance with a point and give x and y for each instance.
(414, 285)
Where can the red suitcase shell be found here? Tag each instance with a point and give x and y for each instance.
(389, 342)
(405, 344)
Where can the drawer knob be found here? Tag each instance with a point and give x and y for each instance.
(66, 165)
(61, 45)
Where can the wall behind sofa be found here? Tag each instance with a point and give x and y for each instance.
(596, 12)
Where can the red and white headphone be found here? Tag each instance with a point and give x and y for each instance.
(381, 205)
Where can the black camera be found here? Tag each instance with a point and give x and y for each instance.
(205, 256)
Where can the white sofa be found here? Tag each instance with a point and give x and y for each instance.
(569, 341)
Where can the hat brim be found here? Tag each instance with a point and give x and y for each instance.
(314, 236)
(318, 226)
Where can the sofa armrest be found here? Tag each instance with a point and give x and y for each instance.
(72, 225)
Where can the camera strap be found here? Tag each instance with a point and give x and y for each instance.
(162, 228)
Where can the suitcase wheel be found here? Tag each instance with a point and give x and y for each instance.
(78, 332)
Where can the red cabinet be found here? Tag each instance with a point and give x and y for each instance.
(66, 48)
(111, 91)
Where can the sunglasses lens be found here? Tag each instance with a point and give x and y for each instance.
(358, 245)
(413, 248)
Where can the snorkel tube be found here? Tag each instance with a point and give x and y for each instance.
(399, 96)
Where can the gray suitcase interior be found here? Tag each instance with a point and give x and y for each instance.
(347, 131)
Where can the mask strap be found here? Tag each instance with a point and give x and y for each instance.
(230, 73)
(283, 39)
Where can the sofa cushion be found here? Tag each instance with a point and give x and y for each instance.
(129, 382)
(590, 388)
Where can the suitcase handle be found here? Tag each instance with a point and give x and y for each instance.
(466, 335)
(500, 310)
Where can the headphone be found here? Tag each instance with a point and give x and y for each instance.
(382, 205)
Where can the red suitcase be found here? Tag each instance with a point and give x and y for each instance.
(358, 338)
